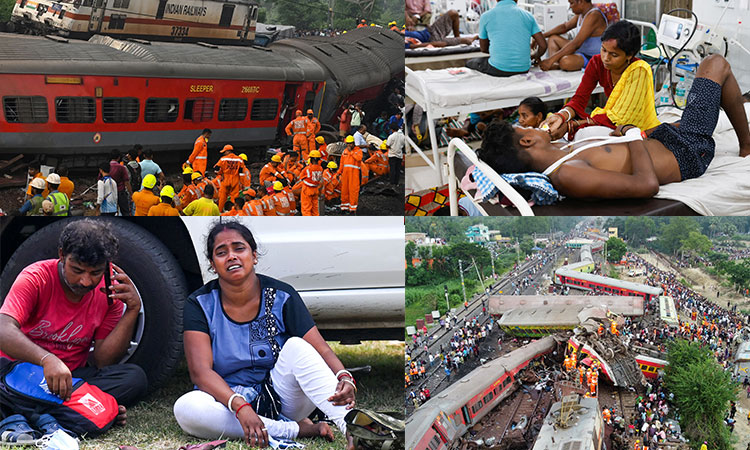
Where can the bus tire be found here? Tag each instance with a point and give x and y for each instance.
(155, 272)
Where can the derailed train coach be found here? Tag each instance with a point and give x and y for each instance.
(68, 97)
(215, 21)
(450, 413)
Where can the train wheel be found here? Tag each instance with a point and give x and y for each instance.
(156, 344)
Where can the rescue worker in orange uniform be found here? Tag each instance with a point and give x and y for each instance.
(165, 207)
(198, 160)
(245, 177)
(322, 148)
(292, 200)
(292, 166)
(613, 328)
(313, 128)
(298, 129)
(574, 358)
(193, 191)
(269, 206)
(145, 198)
(607, 416)
(271, 172)
(311, 180)
(582, 375)
(281, 200)
(254, 206)
(229, 166)
(351, 158)
(331, 181)
(187, 181)
(378, 162)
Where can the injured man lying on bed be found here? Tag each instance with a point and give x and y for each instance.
(629, 163)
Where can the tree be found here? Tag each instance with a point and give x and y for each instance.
(409, 252)
(616, 249)
(637, 229)
(672, 234)
(702, 391)
(696, 243)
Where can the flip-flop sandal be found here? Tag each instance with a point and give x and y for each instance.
(15, 430)
(207, 446)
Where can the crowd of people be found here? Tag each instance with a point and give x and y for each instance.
(303, 179)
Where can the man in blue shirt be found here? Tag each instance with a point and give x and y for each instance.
(148, 166)
(510, 30)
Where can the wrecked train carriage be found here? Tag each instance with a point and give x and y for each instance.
(448, 415)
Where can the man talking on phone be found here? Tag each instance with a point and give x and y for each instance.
(58, 309)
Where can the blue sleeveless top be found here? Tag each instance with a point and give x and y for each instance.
(245, 352)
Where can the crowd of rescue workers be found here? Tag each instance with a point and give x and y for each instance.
(308, 177)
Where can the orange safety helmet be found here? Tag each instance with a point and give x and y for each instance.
(227, 148)
(310, 111)
(298, 113)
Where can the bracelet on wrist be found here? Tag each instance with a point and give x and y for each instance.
(343, 373)
(231, 398)
(41, 361)
(352, 383)
(237, 414)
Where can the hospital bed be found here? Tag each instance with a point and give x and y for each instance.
(723, 190)
(458, 92)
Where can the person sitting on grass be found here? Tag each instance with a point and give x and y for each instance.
(630, 168)
(57, 310)
(259, 363)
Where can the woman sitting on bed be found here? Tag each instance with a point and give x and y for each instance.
(627, 82)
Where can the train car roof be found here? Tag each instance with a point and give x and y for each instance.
(627, 305)
(611, 281)
(578, 436)
(550, 316)
(356, 60)
(107, 56)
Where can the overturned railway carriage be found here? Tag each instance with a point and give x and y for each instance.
(449, 414)
(597, 283)
(69, 97)
(215, 21)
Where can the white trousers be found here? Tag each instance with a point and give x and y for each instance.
(300, 377)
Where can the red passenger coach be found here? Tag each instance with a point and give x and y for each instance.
(598, 283)
(67, 97)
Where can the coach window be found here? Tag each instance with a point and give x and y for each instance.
(264, 109)
(227, 12)
(117, 21)
(26, 109)
(199, 109)
(162, 109)
(120, 110)
(435, 443)
(232, 109)
(75, 109)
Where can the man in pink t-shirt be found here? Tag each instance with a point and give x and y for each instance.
(57, 310)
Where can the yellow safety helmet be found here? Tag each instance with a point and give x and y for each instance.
(393, 22)
(277, 186)
(383, 146)
(196, 175)
(227, 148)
(314, 154)
(149, 181)
(187, 170)
(276, 158)
(320, 140)
(349, 139)
(243, 156)
(167, 191)
(332, 165)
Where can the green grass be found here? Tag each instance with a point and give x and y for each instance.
(6, 8)
(151, 423)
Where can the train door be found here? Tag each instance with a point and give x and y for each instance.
(98, 7)
(249, 21)
(160, 9)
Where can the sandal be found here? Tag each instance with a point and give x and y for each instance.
(15, 430)
(48, 425)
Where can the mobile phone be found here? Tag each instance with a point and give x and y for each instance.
(108, 281)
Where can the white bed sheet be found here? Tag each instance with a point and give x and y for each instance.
(464, 86)
(724, 189)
